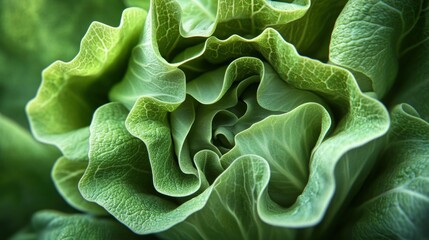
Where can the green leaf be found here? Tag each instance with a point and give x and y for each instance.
(396, 203)
(230, 212)
(55, 225)
(309, 33)
(286, 142)
(366, 40)
(66, 175)
(146, 63)
(34, 34)
(413, 78)
(119, 177)
(161, 43)
(138, 3)
(226, 17)
(70, 92)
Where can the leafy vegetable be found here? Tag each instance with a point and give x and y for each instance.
(241, 120)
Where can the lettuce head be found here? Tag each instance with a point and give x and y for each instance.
(228, 119)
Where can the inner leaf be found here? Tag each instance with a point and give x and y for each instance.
(286, 141)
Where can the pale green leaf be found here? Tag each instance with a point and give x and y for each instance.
(66, 175)
(71, 91)
(230, 212)
(286, 142)
(119, 177)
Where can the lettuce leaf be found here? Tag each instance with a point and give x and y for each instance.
(50, 224)
(395, 204)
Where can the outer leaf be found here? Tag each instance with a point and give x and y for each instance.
(54, 225)
(396, 203)
(31, 39)
(148, 73)
(66, 175)
(366, 40)
(413, 78)
(70, 92)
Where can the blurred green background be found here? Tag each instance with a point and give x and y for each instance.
(34, 34)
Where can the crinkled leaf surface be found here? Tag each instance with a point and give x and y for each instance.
(241, 193)
(413, 79)
(364, 119)
(226, 17)
(230, 211)
(367, 38)
(70, 92)
(66, 175)
(395, 205)
(56, 225)
(286, 143)
(119, 177)
(218, 125)
(308, 33)
(177, 123)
